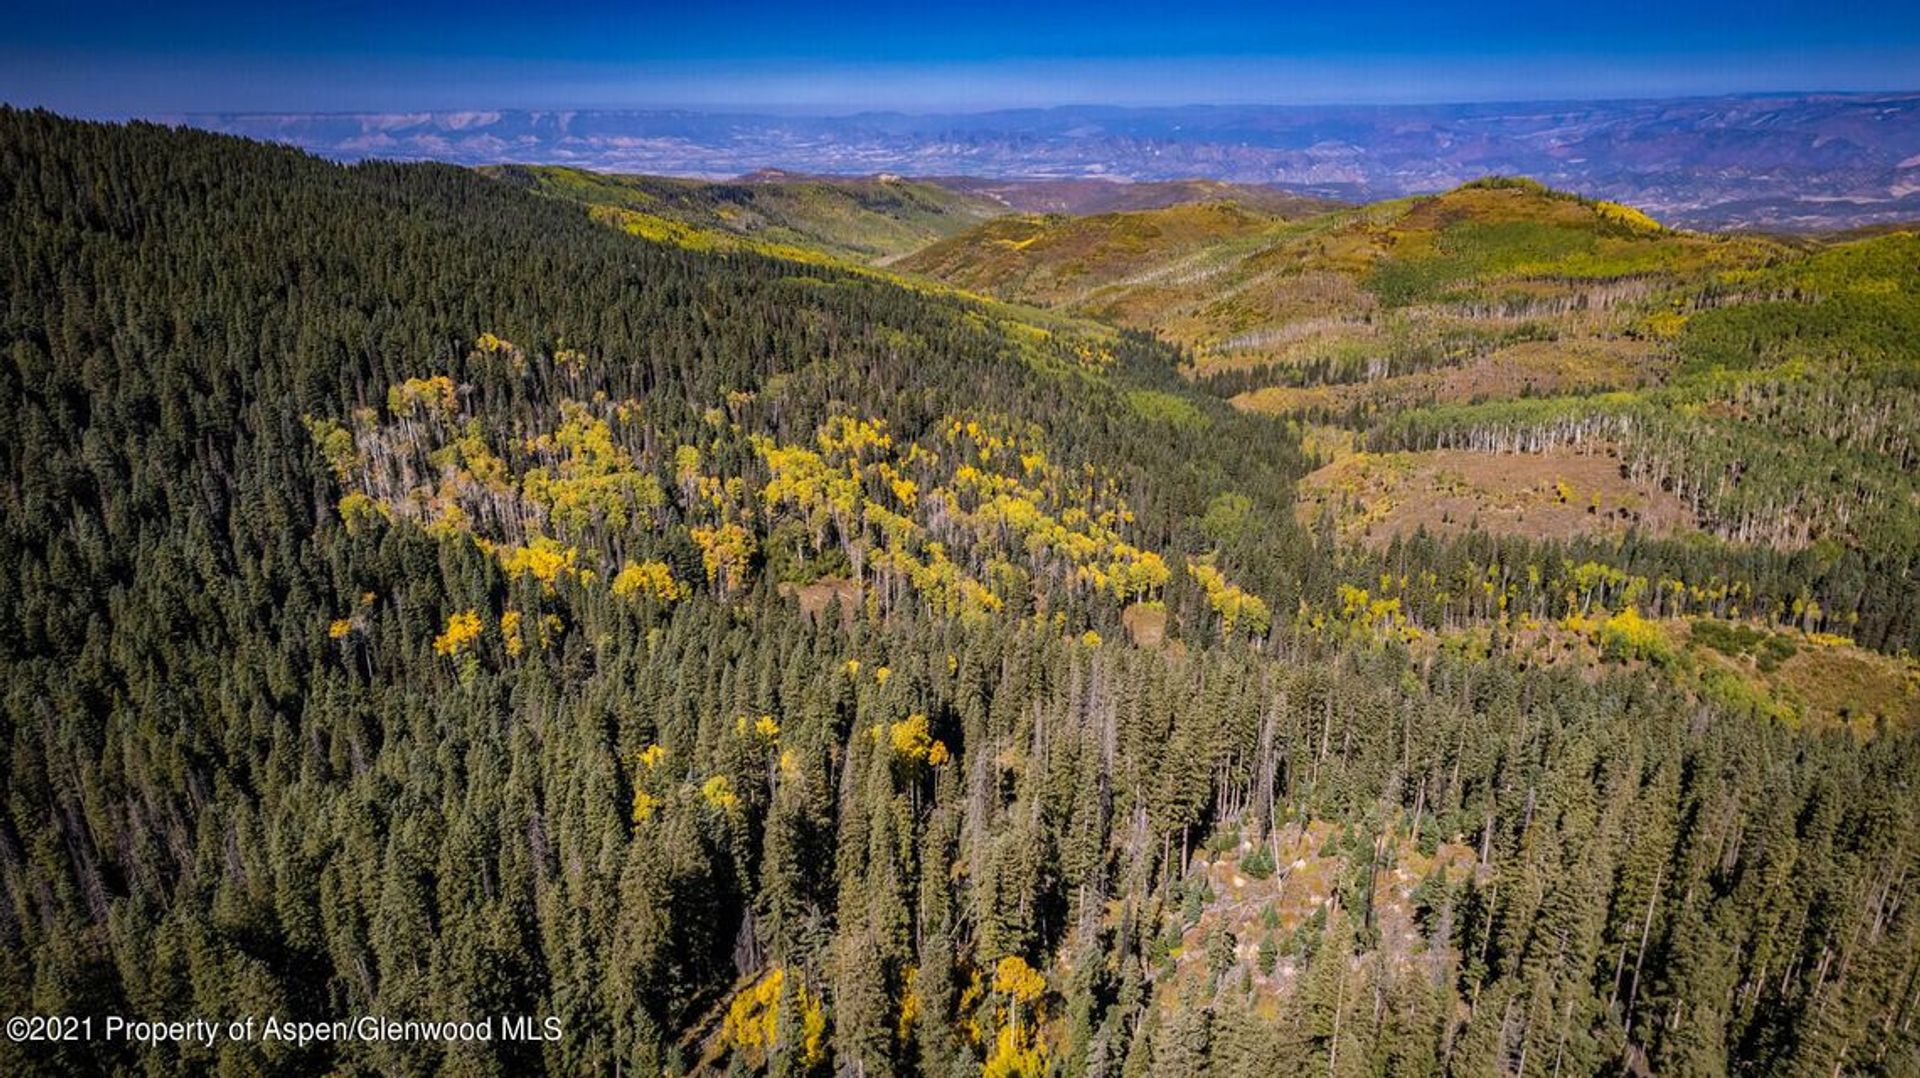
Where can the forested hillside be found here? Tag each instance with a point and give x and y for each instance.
(1508, 359)
(859, 218)
(421, 600)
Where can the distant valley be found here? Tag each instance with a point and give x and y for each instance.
(1782, 163)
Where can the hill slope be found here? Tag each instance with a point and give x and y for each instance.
(1081, 197)
(1241, 288)
(1503, 319)
(866, 219)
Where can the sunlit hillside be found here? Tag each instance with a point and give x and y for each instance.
(866, 219)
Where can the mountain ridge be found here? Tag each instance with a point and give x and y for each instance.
(1215, 279)
(866, 219)
(1802, 162)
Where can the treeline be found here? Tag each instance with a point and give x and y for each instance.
(263, 757)
(1804, 517)
(1788, 426)
(1404, 346)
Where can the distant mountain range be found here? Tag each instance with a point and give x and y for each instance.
(1790, 162)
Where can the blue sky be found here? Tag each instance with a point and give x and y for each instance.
(122, 57)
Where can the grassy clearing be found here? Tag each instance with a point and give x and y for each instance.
(1373, 497)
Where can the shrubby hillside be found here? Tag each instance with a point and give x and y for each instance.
(862, 219)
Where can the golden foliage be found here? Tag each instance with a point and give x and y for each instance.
(1236, 608)
(1628, 216)
(752, 1019)
(910, 739)
(644, 802)
(718, 792)
(510, 632)
(909, 1007)
(489, 345)
(648, 580)
(543, 559)
(357, 511)
(1013, 977)
(1016, 1053)
(335, 444)
(686, 464)
(752, 1022)
(1666, 325)
(462, 630)
(1627, 635)
(432, 396)
(1363, 612)
(591, 479)
(725, 552)
(846, 436)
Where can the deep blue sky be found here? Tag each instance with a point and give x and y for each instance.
(124, 57)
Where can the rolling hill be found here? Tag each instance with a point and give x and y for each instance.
(1080, 197)
(866, 219)
(1242, 288)
(1759, 382)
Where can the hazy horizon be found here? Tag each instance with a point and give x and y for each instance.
(773, 109)
(127, 59)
